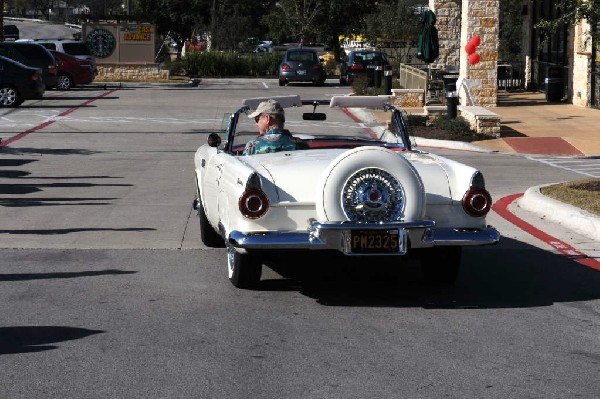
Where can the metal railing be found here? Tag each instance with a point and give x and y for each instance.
(510, 76)
(412, 78)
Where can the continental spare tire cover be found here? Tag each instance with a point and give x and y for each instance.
(370, 184)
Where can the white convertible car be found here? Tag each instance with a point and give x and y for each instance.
(353, 185)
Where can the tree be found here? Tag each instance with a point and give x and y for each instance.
(233, 22)
(395, 22)
(573, 12)
(342, 17)
(175, 18)
(316, 20)
(510, 30)
(294, 20)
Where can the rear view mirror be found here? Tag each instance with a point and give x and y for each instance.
(314, 116)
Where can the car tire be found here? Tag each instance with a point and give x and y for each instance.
(440, 265)
(244, 268)
(340, 170)
(64, 82)
(9, 96)
(208, 235)
(281, 82)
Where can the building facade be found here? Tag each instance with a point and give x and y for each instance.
(566, 65)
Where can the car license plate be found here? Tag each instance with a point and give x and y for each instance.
(377, 241)
(301, 72)
(372, 66)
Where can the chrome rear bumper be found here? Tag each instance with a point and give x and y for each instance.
(336, 236)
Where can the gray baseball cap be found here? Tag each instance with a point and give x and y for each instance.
(267, 107)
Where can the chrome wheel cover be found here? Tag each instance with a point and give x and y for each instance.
(373, 195)
(63, 82)
(8, 96)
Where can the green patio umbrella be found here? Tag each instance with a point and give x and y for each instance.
(428, 48)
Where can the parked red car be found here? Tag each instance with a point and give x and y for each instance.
(72, 71)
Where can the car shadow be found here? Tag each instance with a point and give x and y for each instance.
(60, 275)
(509, 275)
(29, 339)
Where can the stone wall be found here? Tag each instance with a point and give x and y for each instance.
(482, 120)
(148, 72)
(407, 98)
(481, 18)
(447, 13)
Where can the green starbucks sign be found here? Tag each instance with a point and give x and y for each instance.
(101, 42)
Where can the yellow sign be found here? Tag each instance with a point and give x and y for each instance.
(137, 36)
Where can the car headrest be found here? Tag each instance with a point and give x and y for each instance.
(285, 101)
(359, 101)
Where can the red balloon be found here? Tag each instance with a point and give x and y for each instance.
(470, 48)
(475, 41)
(474, 59)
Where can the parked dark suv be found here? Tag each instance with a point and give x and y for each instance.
(11, 32)
(362, 63)
(19, 83)
(33, 55)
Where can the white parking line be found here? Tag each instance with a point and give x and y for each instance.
(585, 166)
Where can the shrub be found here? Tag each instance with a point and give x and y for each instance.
(458, 125)
(417, 120)
(217, 64)
(360, 87)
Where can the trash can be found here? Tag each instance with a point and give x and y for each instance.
(451, 101)
(555, 86)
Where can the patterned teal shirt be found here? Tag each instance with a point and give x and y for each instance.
(273, 141)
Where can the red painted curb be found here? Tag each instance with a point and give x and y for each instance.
(501, 208)
(19, 136)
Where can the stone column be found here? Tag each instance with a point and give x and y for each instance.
(447, 13)
(480, 17)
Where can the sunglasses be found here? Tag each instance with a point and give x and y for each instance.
(257, 118)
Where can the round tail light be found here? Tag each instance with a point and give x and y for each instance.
(477, 202)
(253, 204)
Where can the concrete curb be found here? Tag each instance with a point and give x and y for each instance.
(452, 145)
(555, 211)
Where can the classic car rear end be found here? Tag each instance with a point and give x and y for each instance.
(357, 189)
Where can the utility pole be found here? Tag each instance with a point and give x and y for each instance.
(1, 20)
(213, 20)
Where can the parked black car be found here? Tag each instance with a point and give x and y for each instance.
(362, 63)
(11, 32)
(33, 55)
(18, 83)
(301, 65)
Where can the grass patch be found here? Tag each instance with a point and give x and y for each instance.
(584, 194)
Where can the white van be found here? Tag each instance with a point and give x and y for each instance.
(76, 48)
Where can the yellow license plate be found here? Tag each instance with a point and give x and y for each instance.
(375, 241)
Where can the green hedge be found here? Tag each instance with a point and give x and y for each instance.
(218, 64)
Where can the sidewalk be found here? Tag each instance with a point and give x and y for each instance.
(531, 125)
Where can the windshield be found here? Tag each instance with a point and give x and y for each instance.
(343, 128)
